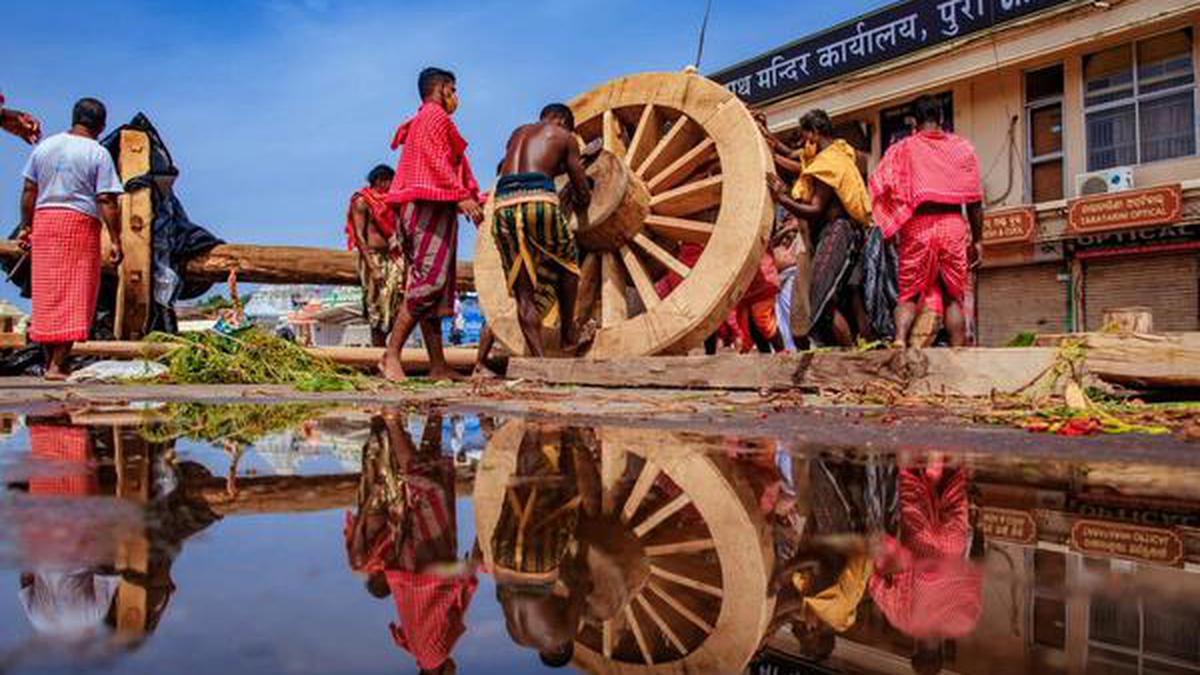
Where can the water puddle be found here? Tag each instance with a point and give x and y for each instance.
(300, 539)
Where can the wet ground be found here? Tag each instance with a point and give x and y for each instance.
(673, 535)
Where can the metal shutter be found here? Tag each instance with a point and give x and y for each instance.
(1167, 283)
(1018, 299)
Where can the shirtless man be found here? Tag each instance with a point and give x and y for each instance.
(371, 231)
(531, 233)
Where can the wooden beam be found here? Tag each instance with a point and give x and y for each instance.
(661, 255)
(276, 494)
(965, 372)
(275, 265)
(613, 306)
(135, 276)
(682, 168)
(641, 280)
(681, 229)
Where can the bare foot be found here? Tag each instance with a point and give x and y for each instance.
(55, 375)
(445, 373)
(586, 334)
(391, 370)
(482, 372)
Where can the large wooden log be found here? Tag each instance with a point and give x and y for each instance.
(1145, 361)
(963, 372)
(275, 265)
(415, 360)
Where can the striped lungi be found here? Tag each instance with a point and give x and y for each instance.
(66, 275)
(429, 233)
(531, 234)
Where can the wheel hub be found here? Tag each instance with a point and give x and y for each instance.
(620, 204)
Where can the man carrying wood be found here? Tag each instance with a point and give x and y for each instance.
(71, 185)
(919, 190)
(371, 231)
(20, 124)
(537, 248)
(433, 184)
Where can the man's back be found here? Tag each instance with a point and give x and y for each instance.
(70, 171)
(537, 148)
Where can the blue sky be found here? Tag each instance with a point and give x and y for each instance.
(276, 109)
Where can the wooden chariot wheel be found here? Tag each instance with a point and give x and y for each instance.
(691, 594)
(683, 163)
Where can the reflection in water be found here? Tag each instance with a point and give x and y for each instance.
(403, 537)
(610, 549)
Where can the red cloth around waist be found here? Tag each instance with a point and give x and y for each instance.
(65, 274)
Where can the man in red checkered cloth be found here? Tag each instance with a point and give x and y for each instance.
(71, 185)
(20, 124)
(919, 190)
(433, 184)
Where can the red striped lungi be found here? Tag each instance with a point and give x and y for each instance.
(72, 448)
(430, 236)
(932, 249)
(66, 275)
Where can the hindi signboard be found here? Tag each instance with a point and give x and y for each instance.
(1009, 226)
(1132, 542)
(890, 33)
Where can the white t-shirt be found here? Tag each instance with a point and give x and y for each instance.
(70, 171)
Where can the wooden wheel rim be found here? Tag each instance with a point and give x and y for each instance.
(719, 125)
(738, 532)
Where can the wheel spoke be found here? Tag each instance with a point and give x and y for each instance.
(663, 626)
(613, 307)
(661, 255)
(641, 488)
(681, 229)
(638, 636)
(612, 467)
(688, 198)
(682, 136)
(655, 519)
(645, 137)
(589, 285)
(682, 168)
(641, 280)
(606, 638)
(692, 546)
(614, 137)
(679, 607)
(684, 580)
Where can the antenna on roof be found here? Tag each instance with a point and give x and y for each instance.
(703, 31)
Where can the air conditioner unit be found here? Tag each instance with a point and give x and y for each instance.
(1101, 182)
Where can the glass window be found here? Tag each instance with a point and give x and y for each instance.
(1043, 112)
(1144, 119)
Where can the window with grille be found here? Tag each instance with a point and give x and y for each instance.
(1140, 101)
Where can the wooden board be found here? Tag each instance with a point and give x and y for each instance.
(964, 372)
(135, 276)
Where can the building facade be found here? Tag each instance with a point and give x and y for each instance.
(1084, 117)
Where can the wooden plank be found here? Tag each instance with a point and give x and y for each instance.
(681, 229)
(964, 372)
(614, 309)
(135, 275)
(1145, 361)
(682, 169)
(661, 255)
(689, 198)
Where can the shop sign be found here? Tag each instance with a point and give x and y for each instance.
(1011, 525)
(1131, 542)
(1125, 210)
(1009, 226)
(889, 33)
(1142, 237)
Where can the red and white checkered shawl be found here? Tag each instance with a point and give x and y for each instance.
(927, 167)
(66, 275)
(433, 165)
